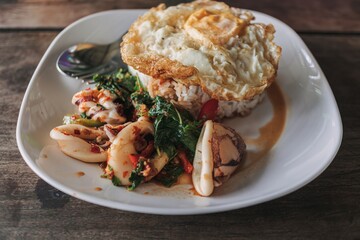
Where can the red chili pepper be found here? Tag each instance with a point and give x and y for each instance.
(209, 110)
(85, 99)
(94, 148)
(188, 167)
(134, 159)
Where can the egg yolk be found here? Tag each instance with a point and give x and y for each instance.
(217, 27)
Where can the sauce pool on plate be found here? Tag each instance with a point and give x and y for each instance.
(80, 174)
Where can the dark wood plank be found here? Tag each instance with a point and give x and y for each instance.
(323, 15)
(327, 208)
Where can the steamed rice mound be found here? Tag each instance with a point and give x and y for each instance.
(193, 97)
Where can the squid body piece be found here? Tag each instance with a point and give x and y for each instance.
(124, 145)
(72, 141)
(203, 163)
(219, 151)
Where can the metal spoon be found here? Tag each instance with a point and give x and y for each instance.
(84, 60)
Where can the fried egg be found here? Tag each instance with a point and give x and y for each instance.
(207, 44)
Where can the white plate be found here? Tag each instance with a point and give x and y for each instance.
(309, 142)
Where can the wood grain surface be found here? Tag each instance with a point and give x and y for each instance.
(323, 16)
(327, 208)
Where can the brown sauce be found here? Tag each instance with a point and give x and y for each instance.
(194, 192)
(271, 132)
(80, 174)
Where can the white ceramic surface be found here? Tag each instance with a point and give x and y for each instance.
(309, 142)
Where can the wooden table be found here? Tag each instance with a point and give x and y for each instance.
(327, 208)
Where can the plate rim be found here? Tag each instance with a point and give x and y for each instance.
(172, 211)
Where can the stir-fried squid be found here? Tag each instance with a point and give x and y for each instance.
(142, 138)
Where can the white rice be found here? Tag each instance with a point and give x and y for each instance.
(192, 98)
